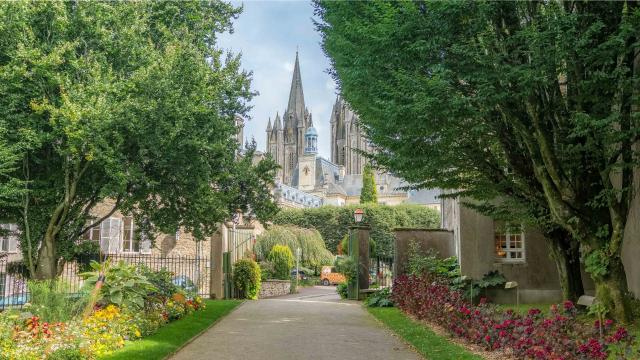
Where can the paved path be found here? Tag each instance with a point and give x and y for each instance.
(314, 324)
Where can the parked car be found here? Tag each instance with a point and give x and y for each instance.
(184, 283)
(301, 275)
(329, 276)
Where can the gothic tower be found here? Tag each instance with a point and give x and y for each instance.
(347, 139)
(285, 140)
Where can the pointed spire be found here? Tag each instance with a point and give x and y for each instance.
(296, 95)
(269, 124)
(310, 121)
(278, 123)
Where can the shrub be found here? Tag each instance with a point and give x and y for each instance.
(282, 260)
(51, 301)
(342, 290)
(347, 266)
(530, 336)
(333, 222)
(161, 281)
(246, 277)
(267, 271)
(380, 298)
(314, 253)
(124, 284)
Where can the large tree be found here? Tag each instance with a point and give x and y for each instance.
(128, 101)
(532, 103)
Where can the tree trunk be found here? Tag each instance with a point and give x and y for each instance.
(47, 259)
(612, 291)
(566, 255)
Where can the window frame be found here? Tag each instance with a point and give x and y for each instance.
(508, 232)
(5, 240)
(133, 243)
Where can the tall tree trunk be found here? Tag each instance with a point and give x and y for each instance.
(612, 291)
(566, 255)
(47, 259)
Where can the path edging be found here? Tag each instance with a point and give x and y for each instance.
(202, 331)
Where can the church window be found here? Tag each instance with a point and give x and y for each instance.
(306, 170)
(291, 161)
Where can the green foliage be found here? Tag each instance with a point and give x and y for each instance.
(247, 278)
(368, 193)
(282, 259)
(66, 354)
(124, 284)
(343, 290)
(347, 266)
(162, 281)
(380, 298)
(314, 253)
(429, 262)
(129, 101)
(517, 106)
(51, 301)
(596, 263)
(333, 222)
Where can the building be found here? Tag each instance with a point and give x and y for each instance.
(306, 179)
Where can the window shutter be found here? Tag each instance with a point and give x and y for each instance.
(115, 236)
(145, 243)
(105, 226)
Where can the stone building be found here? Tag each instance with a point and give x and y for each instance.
(309, 180)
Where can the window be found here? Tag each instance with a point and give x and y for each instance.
(9, 239)
(117, 235)
(291, 161)
(3, 284)
(129, 242)
(509, 242)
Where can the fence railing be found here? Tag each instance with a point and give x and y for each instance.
(381, 271)
(191, 273)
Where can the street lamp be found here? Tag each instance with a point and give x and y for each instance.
(358, 214)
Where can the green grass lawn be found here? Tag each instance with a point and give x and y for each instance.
(430, 345)
(172, 336)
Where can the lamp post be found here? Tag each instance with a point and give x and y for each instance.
(357, 215)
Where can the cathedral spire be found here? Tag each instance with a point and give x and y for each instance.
(277, 124)
(296, 97)
(269, 124)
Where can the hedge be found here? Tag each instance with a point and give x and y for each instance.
(333, 222)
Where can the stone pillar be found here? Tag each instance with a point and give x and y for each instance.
(362, 234)
(217, 247)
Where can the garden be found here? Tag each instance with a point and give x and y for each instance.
(431, 297)
(119, 306)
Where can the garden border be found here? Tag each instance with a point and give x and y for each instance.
(203, 331)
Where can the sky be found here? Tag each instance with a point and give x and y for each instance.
(267, 34)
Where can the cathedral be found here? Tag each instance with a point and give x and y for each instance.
(308, 180)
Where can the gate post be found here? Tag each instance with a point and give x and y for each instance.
(217, 273)
(359, 251)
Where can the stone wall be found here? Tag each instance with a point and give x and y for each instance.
(437, 239)
(271, 288)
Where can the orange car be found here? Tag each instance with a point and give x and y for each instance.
(329, 276)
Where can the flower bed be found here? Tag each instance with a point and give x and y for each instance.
(532, 336)
(123, 309)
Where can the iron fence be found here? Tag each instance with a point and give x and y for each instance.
(190, 273)
(381, 271)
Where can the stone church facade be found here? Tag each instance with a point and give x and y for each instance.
(308, 180)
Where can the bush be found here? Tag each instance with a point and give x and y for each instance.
(333, 222)
(282, 260)
(347, 266)
(314, 254)
(342, 290)
(246, 278)
(51, 301)
(162, 281)
(124, 284)
(380, 298)
(532, 336)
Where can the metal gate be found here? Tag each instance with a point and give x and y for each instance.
(240, 243)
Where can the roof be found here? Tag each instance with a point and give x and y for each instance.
(424, 196)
